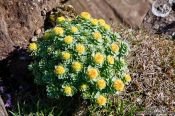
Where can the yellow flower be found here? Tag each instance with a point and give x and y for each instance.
(98, 58)
(68, 91)
(119, 85)
(80, 48)
(60, 19)
(97, 35)
(101, 100)
(92, 73)
(47, 35)
(85, 15)
(128, 78)
(58, 31)
(83, 87)
(102, 22)
(77, 66)
(68, 39)
(66, 55)
(74, 29)
(107, 27)
(114, 47)
(94, 21)
(101, 84)
(32, 47)
(110, 59)
(59, 70)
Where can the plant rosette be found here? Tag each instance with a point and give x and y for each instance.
(80, 55)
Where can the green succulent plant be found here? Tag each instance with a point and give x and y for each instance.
(82, 56)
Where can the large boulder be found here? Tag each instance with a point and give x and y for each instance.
(131, 12)
(18, 21)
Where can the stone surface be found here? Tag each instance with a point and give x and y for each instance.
(18, 21)
(2, 108)
(130, 11)
(161, 25)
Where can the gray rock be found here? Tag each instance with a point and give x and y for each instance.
(3, 111)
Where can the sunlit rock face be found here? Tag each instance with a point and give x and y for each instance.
(18, 21)
(131, 12)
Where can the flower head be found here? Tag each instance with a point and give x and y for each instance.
(60, 19)
(32, 47)
(94, 21)
(107, 27)
(92, 73)
(77, 66)
(80, 48)
(74, 29)
(101, 100)
(110, 59)
(66, 55)
(59, 70)
(97, 35)
(85, 15)
(114, 47)
(127, 78)
(102, 22)
(83, 87)
(98, 58)
(58, 31)
(68, 91)
(101, 84)
(118, 85)
(68, 39)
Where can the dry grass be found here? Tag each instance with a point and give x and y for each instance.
(152, 65)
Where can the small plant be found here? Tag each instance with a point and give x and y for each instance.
(82, 56)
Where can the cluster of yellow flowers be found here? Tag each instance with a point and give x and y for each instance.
(80, 55)
(102, 22)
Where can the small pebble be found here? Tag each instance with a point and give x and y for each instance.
(34, 39)
(37, 32)
(43, 13)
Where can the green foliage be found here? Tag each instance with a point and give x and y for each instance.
(117, 107)
(80, 56)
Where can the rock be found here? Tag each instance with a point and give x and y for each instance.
(161, 8)
(18, 21)
(164, 25)
(130, 11)
(37, 32)
(2, 108)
